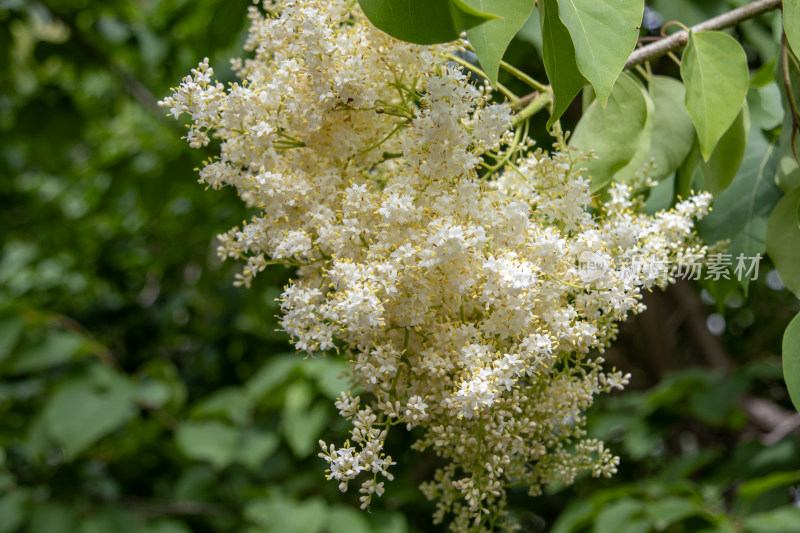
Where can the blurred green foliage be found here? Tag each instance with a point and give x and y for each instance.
(140, 391)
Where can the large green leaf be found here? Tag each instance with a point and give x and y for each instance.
(791, 24)
(714, 69)
(673, 132)
(722, 166)
(11, 324)
(491, 38)
(783, 240)
(280, 514)
(604, 33)
(741, 212)
(753, 488)
(255, 447)
(12, 509)
(781, 520)
(53, 348)
(629, 117)
(423, 21)
(302, 423)
(345, 519)
(619, 514)
(667, 511)
(764, 103)
(210, 441)
(79, 414)
(791, 360)
(558, 55)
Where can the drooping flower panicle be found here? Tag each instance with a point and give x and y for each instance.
(455, 289)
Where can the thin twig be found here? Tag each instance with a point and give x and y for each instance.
(679, 39)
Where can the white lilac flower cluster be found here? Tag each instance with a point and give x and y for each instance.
(452, 285)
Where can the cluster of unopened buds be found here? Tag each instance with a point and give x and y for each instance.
(436, 250)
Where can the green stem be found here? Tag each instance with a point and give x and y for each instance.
(524, 77)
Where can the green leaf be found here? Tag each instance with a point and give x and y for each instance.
(423, 21)
(661, 196)
(255, 448)
(798, 213)
(11, 324)
(167, 526)
(783, 241)
(617, 515)
(558, 55)
(741, 212)
(791, 24)
(283, 515)
(753, 488)
(329, 374)
(629, 116)
(673, 131)
(79, 414)
(54, 348)
(12, 510)
(604, 33)
(577, 514)
(781, 520)
(791, 360)
(211, 441)
(714, 69)
(788, 176)
(531, 31)
(153, 393)
(722, 166)
(52, 518)
(275, 372)
(229, 402)
(302, 424)
(764, 103)
(667, 511)
(491, 38)
(344, 519)
(711, 405)
(111, 519)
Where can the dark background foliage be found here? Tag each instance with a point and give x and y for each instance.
(140, 391)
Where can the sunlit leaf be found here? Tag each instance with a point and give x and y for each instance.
(302, 423)
(604, 33)
(210, 441)
(781, 520)
(256, 447)
(714, 70)
(280, 514)
(347, 520)
(491, 38)
(753, 488)
(53, 348)
(79, 414)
